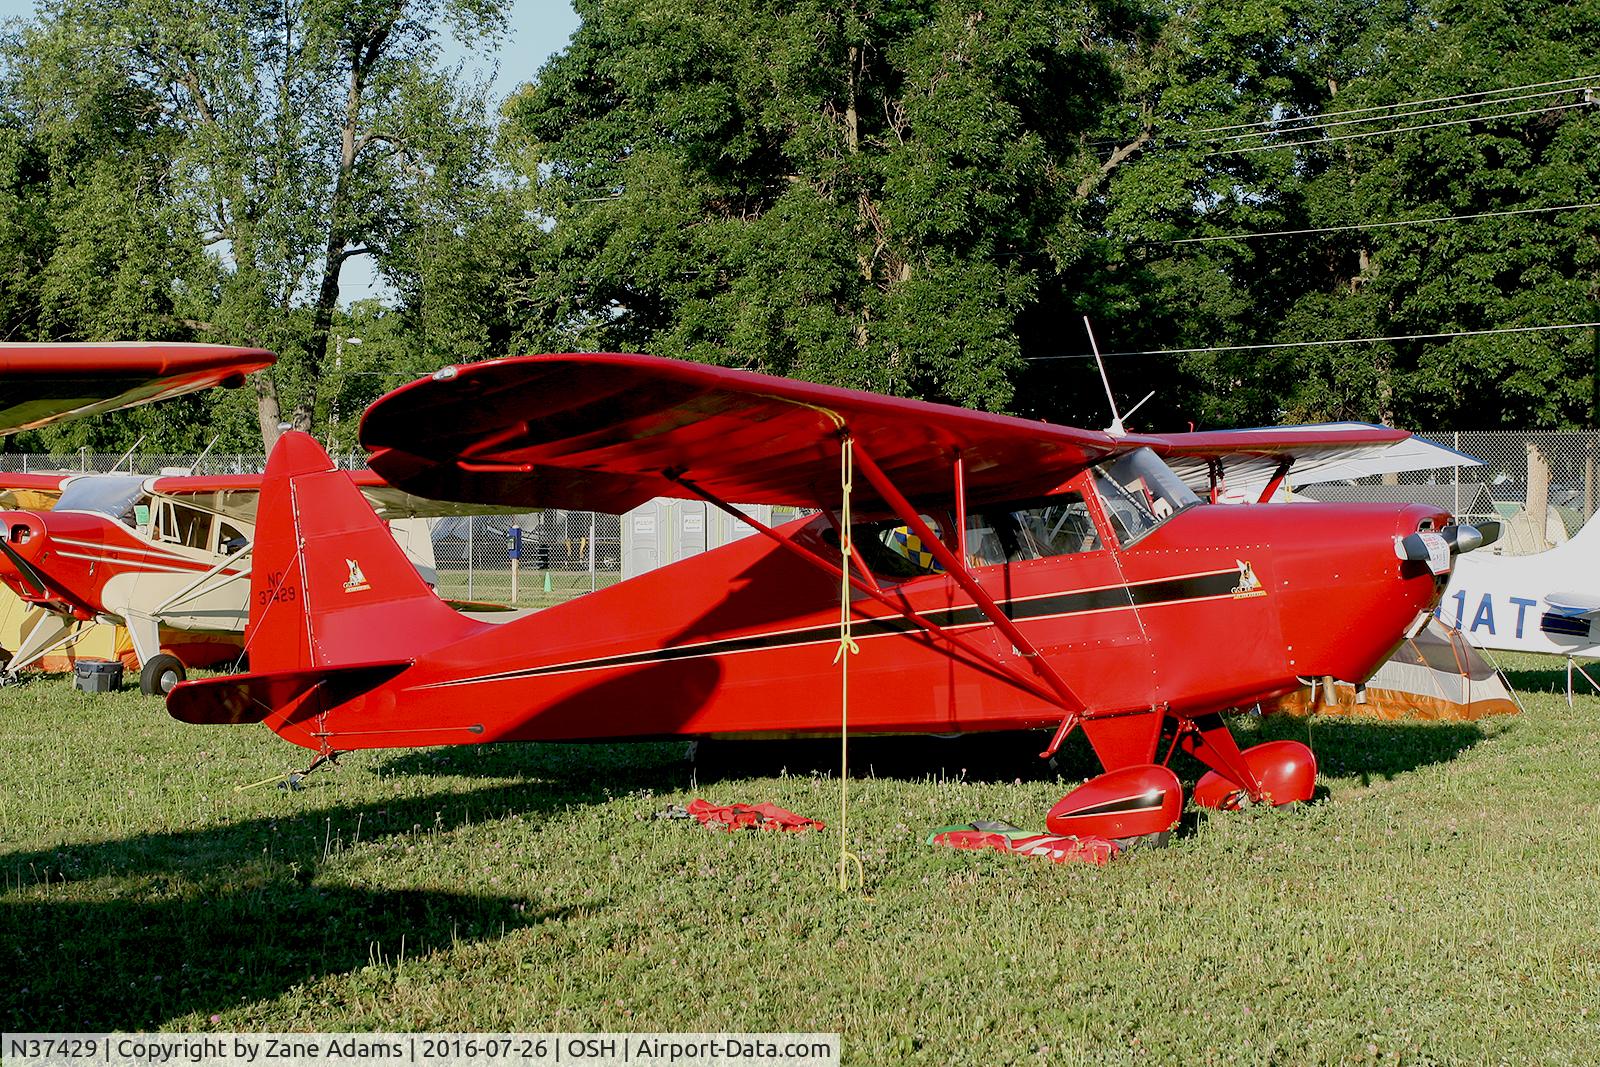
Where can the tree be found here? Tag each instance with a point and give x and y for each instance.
(303, 134)
(867, 194)
(1367, 154)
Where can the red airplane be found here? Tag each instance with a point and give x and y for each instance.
(46, 383)
(1002, 574)
(170, 552)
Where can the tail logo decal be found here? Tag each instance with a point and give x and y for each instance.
(357, 580)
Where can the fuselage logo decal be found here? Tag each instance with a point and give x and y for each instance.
(1249, 584)
(357, 580)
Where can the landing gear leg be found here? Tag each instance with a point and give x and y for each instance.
(1276, 772)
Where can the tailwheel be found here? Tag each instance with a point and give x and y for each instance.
(1287, 771)
(160, 674)
(1136, 805)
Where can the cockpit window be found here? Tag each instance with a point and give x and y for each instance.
(104, 495)
(1140, 493)
(892, 551)
(1057, 526)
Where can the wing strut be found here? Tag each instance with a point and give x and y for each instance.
(1278, 475)
(974, 654)
(957, 569)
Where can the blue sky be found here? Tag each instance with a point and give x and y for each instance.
(538, 29)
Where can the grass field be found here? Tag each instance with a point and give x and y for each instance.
(1439, 905)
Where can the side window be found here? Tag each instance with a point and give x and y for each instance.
(229, 539)
(1064, 526)
(892, 551)
(184, 526)
(166, 524)
(1058, 526)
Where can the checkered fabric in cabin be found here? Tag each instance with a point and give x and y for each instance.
(909, 545)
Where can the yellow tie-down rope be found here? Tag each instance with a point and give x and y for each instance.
(848, 860)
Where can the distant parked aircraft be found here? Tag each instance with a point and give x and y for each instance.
(1546, 602)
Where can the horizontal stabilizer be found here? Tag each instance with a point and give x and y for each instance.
(246, 698)
(1573, 604)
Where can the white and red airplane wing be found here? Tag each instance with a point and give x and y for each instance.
(237, 493)
(1247, 461)
(45, 383)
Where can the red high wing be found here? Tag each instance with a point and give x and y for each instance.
(602, 432)
(45, 383)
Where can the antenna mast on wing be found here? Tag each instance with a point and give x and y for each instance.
(1116, 429)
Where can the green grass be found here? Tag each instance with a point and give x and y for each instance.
(535, 588)
(1439, 905)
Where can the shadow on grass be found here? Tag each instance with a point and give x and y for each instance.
(1553, 680)
(129, 934)
(1366, 749)
(1344, 747)
(985, 757)
(597, 767)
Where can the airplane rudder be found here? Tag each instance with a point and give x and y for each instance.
(276, 635)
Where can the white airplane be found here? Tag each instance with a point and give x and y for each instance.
(1546, 602)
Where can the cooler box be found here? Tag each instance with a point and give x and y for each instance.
(97, 675)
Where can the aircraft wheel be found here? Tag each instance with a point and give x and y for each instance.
(160, 675)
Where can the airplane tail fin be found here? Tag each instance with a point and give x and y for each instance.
(329, 586)
(1589, 533)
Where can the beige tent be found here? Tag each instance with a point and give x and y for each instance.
(1435, 675)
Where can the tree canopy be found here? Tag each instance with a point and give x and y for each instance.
(921, 197)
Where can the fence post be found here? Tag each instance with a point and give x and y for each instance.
(471, 560)
(1455, 473)
(1588, 477)
(516, 558)
(591, 551)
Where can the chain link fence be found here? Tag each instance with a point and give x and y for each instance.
(1542, 485)
(526, 561)
(84, 461)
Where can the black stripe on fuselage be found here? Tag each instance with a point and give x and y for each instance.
(1163, 591)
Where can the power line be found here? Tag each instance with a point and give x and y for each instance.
(1312, 128)
(1403, 104)
(1400, 129)
(1287, 125)
(1313, 344)
(1381, 225)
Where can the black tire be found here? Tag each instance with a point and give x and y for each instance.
(160, 675)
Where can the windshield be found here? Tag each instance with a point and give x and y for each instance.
(112, 495)
(1140, 493)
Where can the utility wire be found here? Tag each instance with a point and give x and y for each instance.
(1277, 123)
(1399, 129)
(1312, 128)
(1394, 107)
(1313, 344)
(1381, 225)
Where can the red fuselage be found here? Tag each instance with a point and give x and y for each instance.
(1219, 607)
